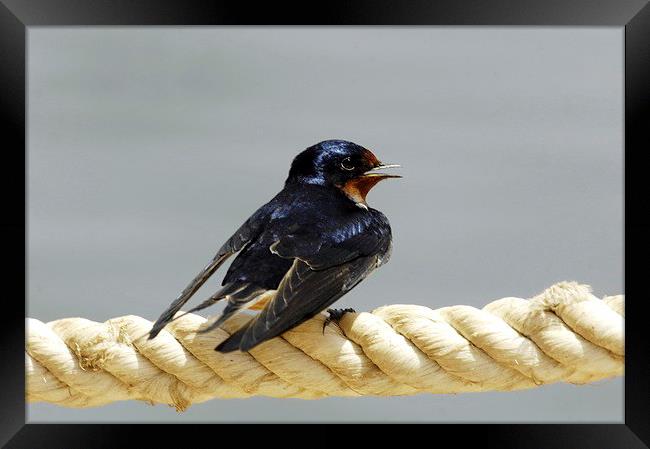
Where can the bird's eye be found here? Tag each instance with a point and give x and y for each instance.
(346, 164)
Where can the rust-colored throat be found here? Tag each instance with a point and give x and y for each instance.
(357, 188)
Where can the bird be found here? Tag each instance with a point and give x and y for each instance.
(308, 246)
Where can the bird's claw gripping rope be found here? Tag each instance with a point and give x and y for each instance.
(335, 316)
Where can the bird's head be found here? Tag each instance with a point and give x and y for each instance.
(338, 163)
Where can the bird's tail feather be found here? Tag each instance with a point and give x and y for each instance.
(186, 294)
(237, 302)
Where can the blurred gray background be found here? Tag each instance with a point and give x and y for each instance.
(148, 147)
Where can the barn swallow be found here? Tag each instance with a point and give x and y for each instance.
(301, 251)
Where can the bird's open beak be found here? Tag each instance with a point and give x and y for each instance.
(357, 188)
(373, 172)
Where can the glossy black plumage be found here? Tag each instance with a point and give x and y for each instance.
(313, 242)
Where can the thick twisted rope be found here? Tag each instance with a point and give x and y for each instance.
(564, 334)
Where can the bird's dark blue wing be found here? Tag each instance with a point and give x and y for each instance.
(364, 235)
(323, 270)
(303, 293)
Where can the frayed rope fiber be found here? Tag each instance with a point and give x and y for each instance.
(565, 334)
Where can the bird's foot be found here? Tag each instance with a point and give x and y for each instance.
(335, 315)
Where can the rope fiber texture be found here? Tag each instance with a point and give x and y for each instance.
(565, 334)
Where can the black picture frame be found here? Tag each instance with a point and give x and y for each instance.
(17, 15)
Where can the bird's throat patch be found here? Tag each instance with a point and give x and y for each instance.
(356, 189)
